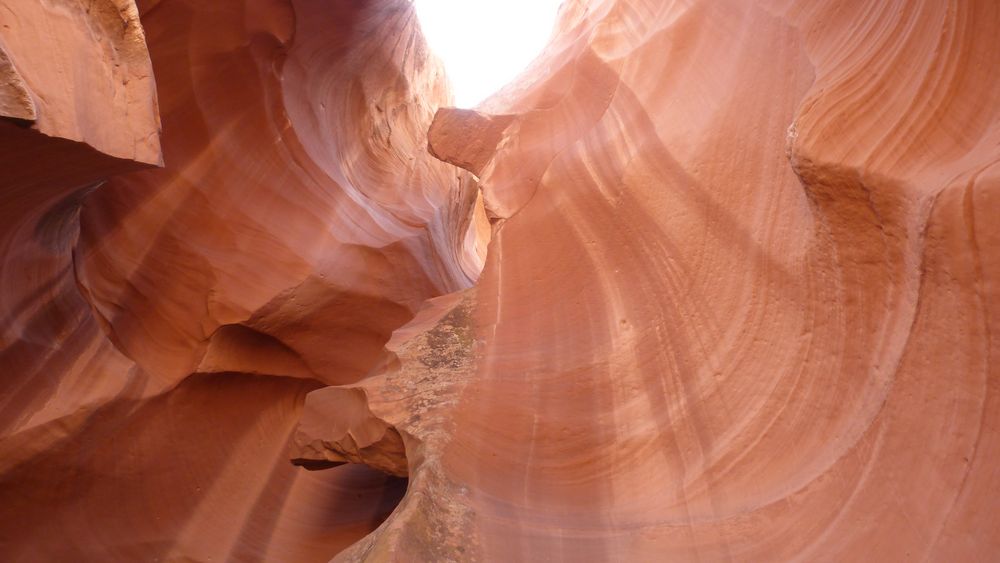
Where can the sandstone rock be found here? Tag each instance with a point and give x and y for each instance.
(155, 368)
(739, 301)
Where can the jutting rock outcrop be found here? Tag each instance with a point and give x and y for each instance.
(709, 281)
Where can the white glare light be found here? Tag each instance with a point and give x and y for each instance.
(484, 44)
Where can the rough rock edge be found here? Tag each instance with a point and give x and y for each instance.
(411, 395)
(466, 138)
(15, 97)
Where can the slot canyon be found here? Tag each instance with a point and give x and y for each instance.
(710, 280)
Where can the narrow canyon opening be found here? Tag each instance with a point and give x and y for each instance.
(484, 44)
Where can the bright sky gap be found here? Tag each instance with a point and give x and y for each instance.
(485, 44)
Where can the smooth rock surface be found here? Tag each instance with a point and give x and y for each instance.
(738, 305)
(739, 302)
(162, 328)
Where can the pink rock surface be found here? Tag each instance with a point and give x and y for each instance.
(739, 301)
(162, 328)
(737, 305)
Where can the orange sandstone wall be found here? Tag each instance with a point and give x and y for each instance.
(739, 301)
(161, 328)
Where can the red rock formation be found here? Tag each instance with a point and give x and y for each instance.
(157, 362)
(739, 301)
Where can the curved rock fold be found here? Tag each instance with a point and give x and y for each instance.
(711, 280)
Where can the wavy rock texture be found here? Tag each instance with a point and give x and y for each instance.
(739, 300)
(162, 328)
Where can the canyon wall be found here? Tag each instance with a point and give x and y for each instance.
(738, 300)
(161, 328)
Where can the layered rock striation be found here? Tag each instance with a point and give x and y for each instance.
(737, 305)
(739, 300)
(162, 327)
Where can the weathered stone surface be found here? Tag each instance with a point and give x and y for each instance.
(739, 301)
(161, 328)
(737, 304)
